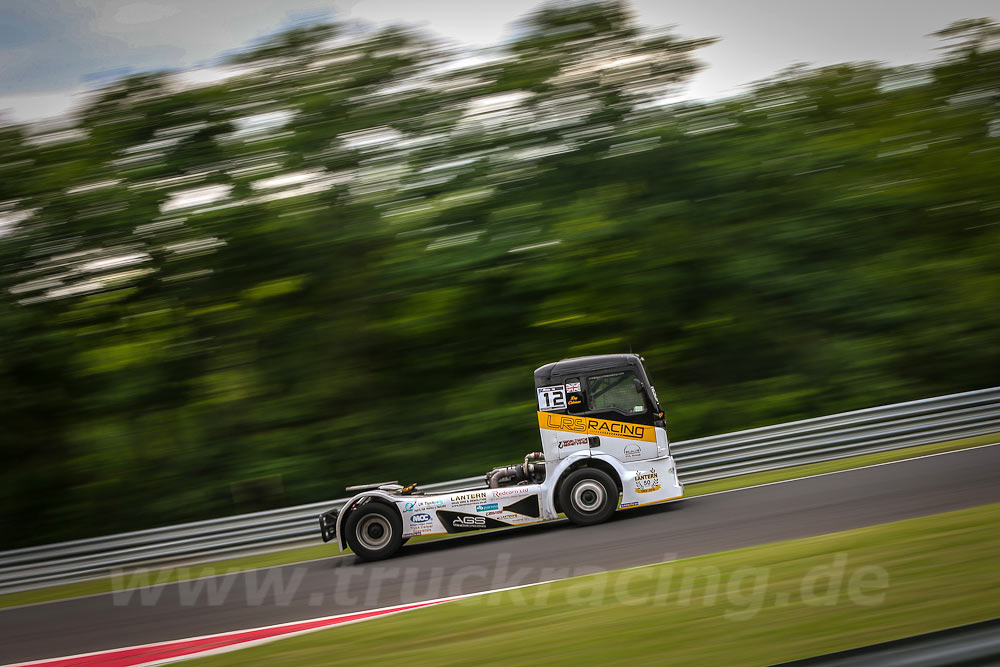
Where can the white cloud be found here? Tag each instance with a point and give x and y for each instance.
(33, 107)
(135, 13)
(67, 40)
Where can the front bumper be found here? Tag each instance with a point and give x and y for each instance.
(328, 524)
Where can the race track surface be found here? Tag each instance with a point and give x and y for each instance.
(483, 561)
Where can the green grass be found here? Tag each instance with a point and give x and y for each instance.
(940, 571)
(287, 556)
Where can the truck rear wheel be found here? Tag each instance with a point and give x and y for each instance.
(588, 496)
(374, 531)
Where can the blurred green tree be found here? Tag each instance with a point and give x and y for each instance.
(343, 262)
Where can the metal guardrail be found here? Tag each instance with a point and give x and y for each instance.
(962, 646)
(838, 436)
(703, 459)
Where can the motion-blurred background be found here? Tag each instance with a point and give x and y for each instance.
(338, 259)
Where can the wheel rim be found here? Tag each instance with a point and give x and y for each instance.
(373, 532)
(588, 496)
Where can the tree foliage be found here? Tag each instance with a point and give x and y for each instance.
(343, 263)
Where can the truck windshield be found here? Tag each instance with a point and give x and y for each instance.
(615, 391)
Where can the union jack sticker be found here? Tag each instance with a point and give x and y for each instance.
(573, 387)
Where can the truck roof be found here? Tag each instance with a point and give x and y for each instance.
(557, 370)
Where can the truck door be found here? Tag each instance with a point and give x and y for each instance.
(619, 413)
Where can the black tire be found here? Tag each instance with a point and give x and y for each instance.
(374, 531)
(588, 496)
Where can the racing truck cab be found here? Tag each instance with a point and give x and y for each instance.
(604, 447)
(610, 395)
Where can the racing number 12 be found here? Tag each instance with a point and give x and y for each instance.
(551, 398)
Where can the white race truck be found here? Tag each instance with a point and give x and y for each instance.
(604, 448)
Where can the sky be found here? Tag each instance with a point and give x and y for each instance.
(53, 51)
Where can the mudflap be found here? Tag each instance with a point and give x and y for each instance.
(328, 524)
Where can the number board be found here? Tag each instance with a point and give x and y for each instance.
(552, 398)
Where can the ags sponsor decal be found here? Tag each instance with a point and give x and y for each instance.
(457, 522)
(647, 482)
(466, 521)
(592, 426)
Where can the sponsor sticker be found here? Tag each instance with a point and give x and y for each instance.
(632, 451)
(575, 400)
(575, 442)
(467, 521)
(647, 482)
(573, 388)
(413, 505)
(594, 426)
(503, 493)
(420, 518)
(468, 498)
(631, 504)
(487, 507)
(457, 522)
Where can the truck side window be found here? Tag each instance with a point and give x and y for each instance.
(615, 391)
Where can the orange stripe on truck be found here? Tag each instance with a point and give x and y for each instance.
(591, 426)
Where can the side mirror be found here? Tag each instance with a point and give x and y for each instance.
(638, 385)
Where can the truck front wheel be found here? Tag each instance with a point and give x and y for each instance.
(374, 531)
(588, 496)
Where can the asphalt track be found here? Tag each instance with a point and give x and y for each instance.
(483, 561)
